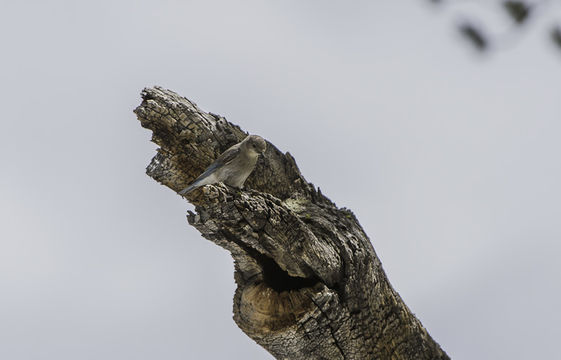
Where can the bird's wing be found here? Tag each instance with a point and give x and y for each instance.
(223, 159)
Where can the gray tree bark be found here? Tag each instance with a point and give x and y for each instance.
(309, 283)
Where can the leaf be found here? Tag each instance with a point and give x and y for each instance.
(474, 36)
(518, 10)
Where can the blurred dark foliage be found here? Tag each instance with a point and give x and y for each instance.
(474, 35)
(556, 36)
(519, 11)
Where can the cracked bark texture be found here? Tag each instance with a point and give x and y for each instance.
(309, 283)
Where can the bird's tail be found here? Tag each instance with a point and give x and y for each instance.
(190, 188)
(206, 178)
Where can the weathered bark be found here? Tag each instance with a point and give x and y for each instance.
(309, 284)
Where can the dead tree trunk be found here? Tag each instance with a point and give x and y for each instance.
(309, 284)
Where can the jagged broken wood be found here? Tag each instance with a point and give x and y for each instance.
(309, 284)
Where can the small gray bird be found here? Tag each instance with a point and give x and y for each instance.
(233, 166)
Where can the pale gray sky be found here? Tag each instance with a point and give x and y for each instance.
(457, 156)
